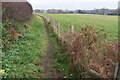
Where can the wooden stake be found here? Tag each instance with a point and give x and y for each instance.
(72, 28)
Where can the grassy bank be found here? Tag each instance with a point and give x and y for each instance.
(61, 60)
(24, 58)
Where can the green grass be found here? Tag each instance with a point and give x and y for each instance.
(61, 60)
(108, 23)
(20, 60)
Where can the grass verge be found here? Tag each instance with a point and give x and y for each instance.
(61, 60)
(24, 58)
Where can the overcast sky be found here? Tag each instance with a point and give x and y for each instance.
(74, 4)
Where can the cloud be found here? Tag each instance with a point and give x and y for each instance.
(73, 4)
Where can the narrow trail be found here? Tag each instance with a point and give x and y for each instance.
(50, 71)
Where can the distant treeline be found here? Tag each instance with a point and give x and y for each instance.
(102, 11)
(16, 11)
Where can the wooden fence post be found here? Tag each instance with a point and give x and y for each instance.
(72, 28)
(117, 72)
(59, 29)
(54, 24)
(56, 27)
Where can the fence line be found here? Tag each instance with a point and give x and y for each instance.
(62, 35)
(57, 28)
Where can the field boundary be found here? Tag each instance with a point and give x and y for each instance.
(56, 28)
(65, 41)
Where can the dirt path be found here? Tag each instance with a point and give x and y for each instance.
(50, 71)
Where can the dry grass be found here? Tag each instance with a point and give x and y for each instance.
(90, 49)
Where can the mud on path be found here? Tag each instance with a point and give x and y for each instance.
(50, 71)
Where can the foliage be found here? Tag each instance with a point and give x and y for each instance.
(86, 49)
(90, 49)
(61, 60)
(23, 58)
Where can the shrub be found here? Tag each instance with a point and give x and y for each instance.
(90, 50)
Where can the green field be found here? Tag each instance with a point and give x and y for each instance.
(107, 23)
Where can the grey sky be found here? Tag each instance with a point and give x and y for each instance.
(73, 4)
